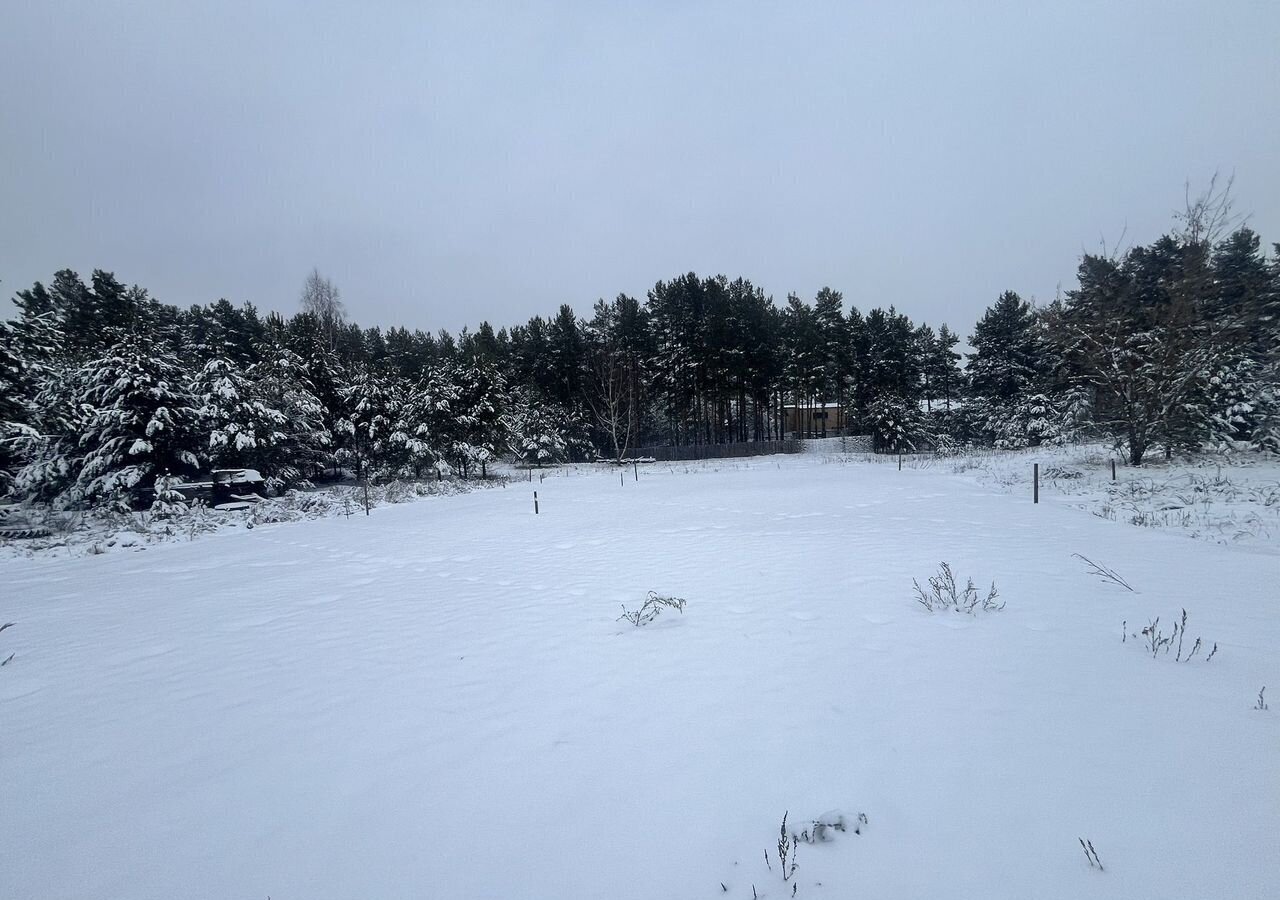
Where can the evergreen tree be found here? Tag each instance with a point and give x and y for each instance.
(943, 366)
(412, 446)
(134, 421)
(369, 424)
(835, 344)
(14, 409)
(243, 429)
(533, 433)
(302, 445)
(476, 432)
(1131, 331)
(1006, 363)
(169, 502)
(894, 422)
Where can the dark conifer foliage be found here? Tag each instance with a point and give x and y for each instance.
(1175, 346)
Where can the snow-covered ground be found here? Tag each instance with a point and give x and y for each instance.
(1232, 500)
(438, 700)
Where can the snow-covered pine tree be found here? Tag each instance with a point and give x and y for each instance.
(14, 406)
(531, 432)
(1028, 422)
(894, 423)
(888, 362)
(30, 360)
(439, 397)
(242, 427)
(477, 413)
(943, 366)
(280, 380)
(369, 424)
(1007, 361)
(411, 446)
(138, 421)
(328, 379)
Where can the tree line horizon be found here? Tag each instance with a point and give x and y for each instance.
(103, 388)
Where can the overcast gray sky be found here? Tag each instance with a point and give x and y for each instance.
(448, 163)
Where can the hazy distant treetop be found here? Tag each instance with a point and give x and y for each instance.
(321, 297)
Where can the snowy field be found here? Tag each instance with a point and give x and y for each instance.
(439, 700)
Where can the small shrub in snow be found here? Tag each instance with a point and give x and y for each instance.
(946, 447)
(1155, 641)
(824, 827)
(944, 594)
(1107, 574)
(168, 502)
(1262, 699)
(199, 520)
(651, 609)
(398, 492)
(814, 831)
(1091, 855)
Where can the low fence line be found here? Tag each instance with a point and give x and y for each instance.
(717, 451)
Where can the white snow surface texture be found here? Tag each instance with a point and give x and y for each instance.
(438, 700)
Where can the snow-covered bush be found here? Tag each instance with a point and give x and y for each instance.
(199, 520)
(168, 502)
(398, 492)
(945, 445)
(823, 828)
(943, 593)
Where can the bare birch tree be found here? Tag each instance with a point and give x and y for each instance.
(322, 299)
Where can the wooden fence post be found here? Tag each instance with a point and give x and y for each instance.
(1113, 470)
(366, 497)
(1035, 482)
(535, 503)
